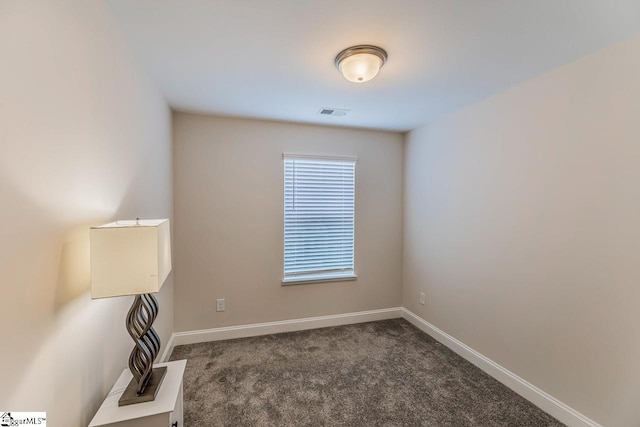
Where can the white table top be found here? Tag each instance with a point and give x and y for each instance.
(165, 401)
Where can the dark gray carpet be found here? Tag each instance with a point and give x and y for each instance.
(385, 373)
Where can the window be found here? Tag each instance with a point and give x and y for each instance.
(319, 209)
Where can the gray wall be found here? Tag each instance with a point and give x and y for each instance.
(85, 139)
(522, 225)
(229, 213)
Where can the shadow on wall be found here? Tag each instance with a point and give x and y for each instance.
(64, 347)
(74, 272)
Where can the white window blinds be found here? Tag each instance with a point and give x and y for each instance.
(319, 208)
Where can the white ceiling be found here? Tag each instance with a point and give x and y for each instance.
(273, 59)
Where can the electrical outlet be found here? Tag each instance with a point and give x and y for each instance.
(220, 304)
(423, 298)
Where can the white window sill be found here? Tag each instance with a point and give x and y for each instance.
(318, 278)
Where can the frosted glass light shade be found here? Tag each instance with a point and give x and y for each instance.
(129, 257)
(360, 63)
(360, 68)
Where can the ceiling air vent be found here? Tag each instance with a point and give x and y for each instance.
(333, 112)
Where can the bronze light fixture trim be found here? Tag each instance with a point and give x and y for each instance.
(361, 63)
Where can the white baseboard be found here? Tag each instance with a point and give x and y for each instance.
(167, 350)
(543, 400)
(252, 330)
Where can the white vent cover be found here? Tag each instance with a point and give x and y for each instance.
(333, 112)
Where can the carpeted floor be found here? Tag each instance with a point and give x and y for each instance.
(385, 373)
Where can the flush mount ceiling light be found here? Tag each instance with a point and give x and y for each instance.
(361, 63)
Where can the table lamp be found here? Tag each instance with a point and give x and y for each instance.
(134, 258)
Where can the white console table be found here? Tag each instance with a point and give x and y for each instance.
(165, 410)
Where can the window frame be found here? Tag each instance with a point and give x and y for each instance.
(338, 276)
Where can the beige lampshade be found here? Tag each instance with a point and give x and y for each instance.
(130, 257)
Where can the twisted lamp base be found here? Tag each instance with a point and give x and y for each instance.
(146, 380)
